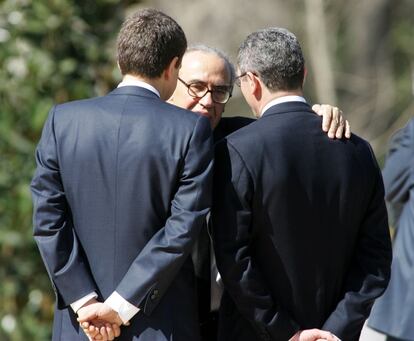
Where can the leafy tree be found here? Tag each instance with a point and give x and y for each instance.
(51, 51)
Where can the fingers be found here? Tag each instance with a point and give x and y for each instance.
(335, 122)
(316, 108)
(116, 329)
(99, 322)
(109, 331)
(84, 325)
(91, 331)
(347, 129)
(99, 337)
(99, 331)
(325, 335)
(103, 333)
(315, 335)
(326, 113)
(330, 117)
(341, 126)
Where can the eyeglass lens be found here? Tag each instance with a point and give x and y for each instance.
(199, 90)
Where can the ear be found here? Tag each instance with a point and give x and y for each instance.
(171, 69)
(305, 74)
(119, 68)
(255, 86)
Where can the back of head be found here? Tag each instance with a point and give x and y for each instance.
(274, 54)
(148, 42)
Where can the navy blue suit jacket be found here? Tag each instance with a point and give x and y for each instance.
(300, 228)
(120, 193)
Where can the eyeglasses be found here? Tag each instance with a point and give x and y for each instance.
(237, 80)
(219, 94)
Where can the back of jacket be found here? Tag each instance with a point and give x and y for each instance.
(306, 236)
(392, 314)
(123, 187)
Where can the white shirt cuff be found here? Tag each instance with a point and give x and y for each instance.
(80, 302)
(124, 309)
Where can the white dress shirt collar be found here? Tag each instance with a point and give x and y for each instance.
(282, 99)
(136, 82)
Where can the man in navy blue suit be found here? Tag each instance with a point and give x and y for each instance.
(205, 85)
(121, 191)
(299, 221)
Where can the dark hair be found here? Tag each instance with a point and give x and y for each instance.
(274, 55)
(147, 43)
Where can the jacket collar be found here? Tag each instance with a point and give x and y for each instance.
(286, 107)
(133, 90)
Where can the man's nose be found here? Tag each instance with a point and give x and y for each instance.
(207, 100)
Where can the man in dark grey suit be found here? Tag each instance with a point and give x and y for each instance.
(299, 220)
(120, 193)
(393, 313)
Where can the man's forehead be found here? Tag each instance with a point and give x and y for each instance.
(200, 65)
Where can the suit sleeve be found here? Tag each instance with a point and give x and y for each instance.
(369, 272)
(156, 266)
(232, 234)
(53, 227)
(398, 174)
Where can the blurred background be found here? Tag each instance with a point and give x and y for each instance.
(359, 53)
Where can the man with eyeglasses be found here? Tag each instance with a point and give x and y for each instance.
(205, 85)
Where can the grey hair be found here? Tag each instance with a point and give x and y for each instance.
(218, 53)
(275, 56)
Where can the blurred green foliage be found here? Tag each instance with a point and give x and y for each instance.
(51, 51)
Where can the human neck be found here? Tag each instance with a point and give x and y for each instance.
(155, 82)
(268, 96)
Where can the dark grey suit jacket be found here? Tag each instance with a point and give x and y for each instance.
(120, 193)
(300, 228)
(393, 313)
